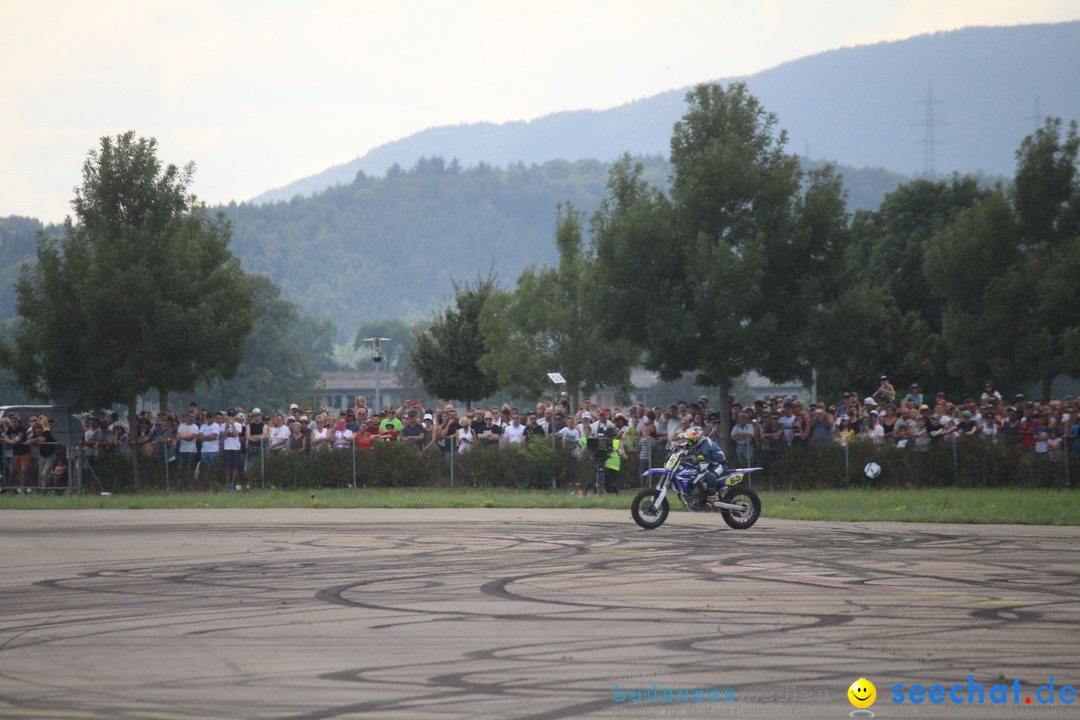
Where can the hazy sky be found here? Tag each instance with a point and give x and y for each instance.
(260, 93)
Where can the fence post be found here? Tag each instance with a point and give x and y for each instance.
(1068, 452)
(551, 428)
(955, 461)
(453, 446)
(352, 444)
(847, 463)
(167, 488)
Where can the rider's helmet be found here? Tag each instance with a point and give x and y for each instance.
(694, 435)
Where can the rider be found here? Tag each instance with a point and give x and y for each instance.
(709, 456)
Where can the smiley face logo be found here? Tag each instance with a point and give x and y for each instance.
(862, 693)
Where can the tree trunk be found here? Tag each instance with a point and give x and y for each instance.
(163, 400)
(724, 384)
(1047, 382)
(133, 427)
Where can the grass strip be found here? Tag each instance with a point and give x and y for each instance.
(1014, 505)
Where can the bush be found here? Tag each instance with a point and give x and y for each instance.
(971, 463)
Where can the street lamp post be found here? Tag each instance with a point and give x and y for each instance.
(376, 357)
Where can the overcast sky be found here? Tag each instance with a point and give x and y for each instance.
(261, 93)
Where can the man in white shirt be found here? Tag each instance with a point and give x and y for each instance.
(231, 430)
(279, 434)
(210, 433)
(188, 433)
(514, 433)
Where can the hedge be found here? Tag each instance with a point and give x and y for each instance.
(975, 463)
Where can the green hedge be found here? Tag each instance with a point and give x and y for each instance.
(975, 463)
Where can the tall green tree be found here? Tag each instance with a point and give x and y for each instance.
(279, 366)
(552, 322)
(446, 355)
(141, 293)
(1008, 268)
(887, 250)
(734, 261)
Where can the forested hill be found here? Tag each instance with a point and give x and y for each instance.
(383, 247)
(859, 106)
(389, 247)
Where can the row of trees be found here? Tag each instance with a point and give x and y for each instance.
(742, 261)
(748, 262)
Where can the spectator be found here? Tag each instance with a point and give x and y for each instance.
(466, 436)
(872, 429)
(343, 434)
(915, 394)
(298, 440)
(645, 444)
(412, 432)
(487, 432)
(232, 455)
(886, 393)
(15, 438)
(257, 435)
(321, 436)
(42, 438)
(279, 433)
(743, 435)
(514, 433)
(209, 434)
(820, 431)
(533, 431)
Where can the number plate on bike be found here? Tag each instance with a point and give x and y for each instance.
(734, 479)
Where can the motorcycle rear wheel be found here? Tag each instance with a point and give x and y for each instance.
(745, 518)
(645, 511)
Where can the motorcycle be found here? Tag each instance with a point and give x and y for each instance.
(738, 505)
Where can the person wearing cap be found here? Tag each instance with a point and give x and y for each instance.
(603, 424)
(915, 394)
(255, 436)
(872, 429)
(586, 422)
(294, 411)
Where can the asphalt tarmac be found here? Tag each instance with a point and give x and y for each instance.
(532, 614)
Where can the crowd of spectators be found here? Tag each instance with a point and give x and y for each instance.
(231, 440)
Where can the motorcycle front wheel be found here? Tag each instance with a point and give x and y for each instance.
(645, 511)
(748, 514)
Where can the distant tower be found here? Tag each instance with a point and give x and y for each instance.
(1037, 118)
(929, 123)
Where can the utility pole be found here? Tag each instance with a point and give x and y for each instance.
(1037, 118)
(929, 141)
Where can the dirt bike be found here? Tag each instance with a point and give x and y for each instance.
(738, 504)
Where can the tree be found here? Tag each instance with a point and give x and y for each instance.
(142, 293)
(552, 322)
(888, 249)
(278, 365)
(736, 259)
(1008, 268)
(446, 355)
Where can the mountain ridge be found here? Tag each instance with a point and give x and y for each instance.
(831, 103)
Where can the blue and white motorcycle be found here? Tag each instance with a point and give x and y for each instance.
(738, 504)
